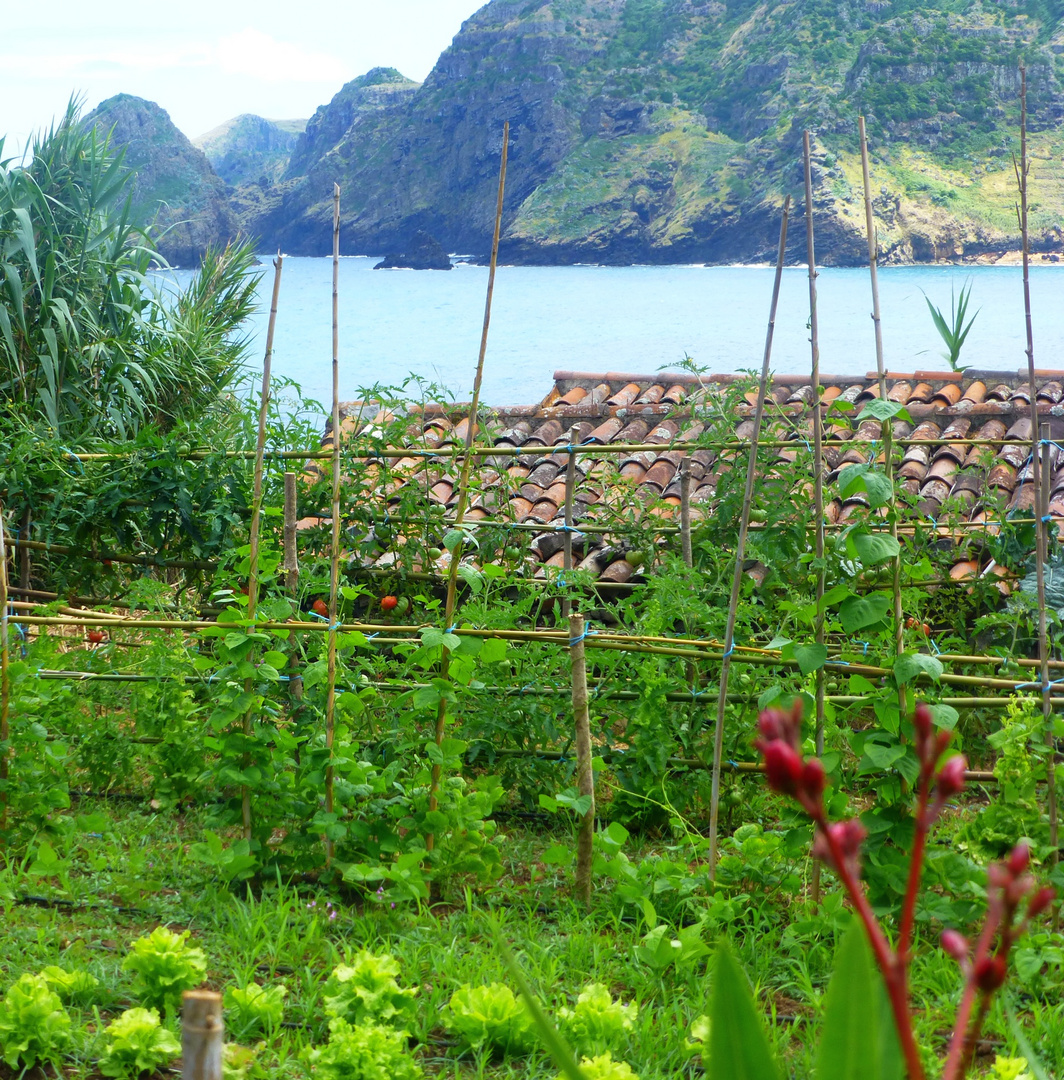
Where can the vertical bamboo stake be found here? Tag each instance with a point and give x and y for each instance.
(887, 427)
(1043, 656)
(291, 577)
(570, 491)
(24, 555)
(463, 480)
(818, 461)
(334, 547)
(585, 773)
(5, 685)
(1040, 504)
(202, 1031)
(685, 512)
(256, 517)
(740, 549)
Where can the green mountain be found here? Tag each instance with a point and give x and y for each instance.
(175, 186)
(250, 149)
(670, 130)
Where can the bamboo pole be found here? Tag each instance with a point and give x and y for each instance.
(887, 428)
(1044, 663)
(334, 547)
(25, 561)
(202, 1033)
(818, 468)
(256, 519)
(5, 681)
(685, 512)
(740, 549)
(291, 580)
(585, 773)
(467, 461)
(1022, 175)
(570, 491)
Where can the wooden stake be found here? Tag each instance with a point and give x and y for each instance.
(24, 557)
(256, 517)
(685, 512)
(740, 548)
(202, 1032)
(887, 428)
(334, 548)
(5, 680)
(585, 773)
(818, 463)
(291, 578)
(570, 491)
(463, 481)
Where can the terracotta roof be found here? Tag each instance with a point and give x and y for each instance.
(939, 467)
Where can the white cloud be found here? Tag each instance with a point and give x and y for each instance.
(251, 52)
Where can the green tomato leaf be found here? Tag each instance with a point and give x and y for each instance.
(909, 665)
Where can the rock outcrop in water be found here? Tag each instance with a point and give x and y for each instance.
(424, 252)
(175, 185)
(670, 130)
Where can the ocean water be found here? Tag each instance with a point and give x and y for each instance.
(635, 319)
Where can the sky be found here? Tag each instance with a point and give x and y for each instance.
(205, 62)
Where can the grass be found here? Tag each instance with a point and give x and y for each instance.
(128, 871)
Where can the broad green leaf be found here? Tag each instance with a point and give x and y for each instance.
(858, 612)
(872, 548)
(909, 665)
(810, 657)
(879, 409)
(883, 757)
(876, 485)
(738, 1048)
(944, 716)
(858, 1041)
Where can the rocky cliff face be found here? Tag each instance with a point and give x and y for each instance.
(251, 149)
(175, 185)
(670, 130)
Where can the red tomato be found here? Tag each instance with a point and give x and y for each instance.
(96, 636)
(319, 607)
(389, 603)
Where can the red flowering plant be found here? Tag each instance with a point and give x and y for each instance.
(1014, 897)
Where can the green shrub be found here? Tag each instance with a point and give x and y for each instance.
(34, 1026)
(70, 985)
(489, 1017)
(137, 1043)
(364, 1052)
(365, 990)
(254, 1007)
(604, 1067)
(165, 967)
(597, 1023)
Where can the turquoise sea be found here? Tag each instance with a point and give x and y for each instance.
(632, 319)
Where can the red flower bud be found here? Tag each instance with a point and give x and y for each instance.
(922, 721)
(770, 724)
(997, 876)
(955, 944)
(951, 776)
(990, 973)
(813, 779)
(1040, 901)
(1019, 860)
(783, 766)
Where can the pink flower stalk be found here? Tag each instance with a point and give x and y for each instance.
(838, 845)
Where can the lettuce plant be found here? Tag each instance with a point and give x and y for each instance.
(34, 1026)
(137, 1043)
(603, 1067)
(165, 967)
(364, 1052)
(1013, 896)
(489, 1017)
(70, 985)
(365, 990)
(254, 1007)
(597, 1023)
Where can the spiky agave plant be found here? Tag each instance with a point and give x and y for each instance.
(954, 332)
(91, 346)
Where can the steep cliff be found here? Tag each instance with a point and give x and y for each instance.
(670, 130)
(175, 186)
(250, 148)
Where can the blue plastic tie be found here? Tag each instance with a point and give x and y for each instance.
(1047, 518)
(370, 637)
(451, 629)
(729, 652)
(315, 615)
(74, 458)
(934, 648)
(576, 640)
